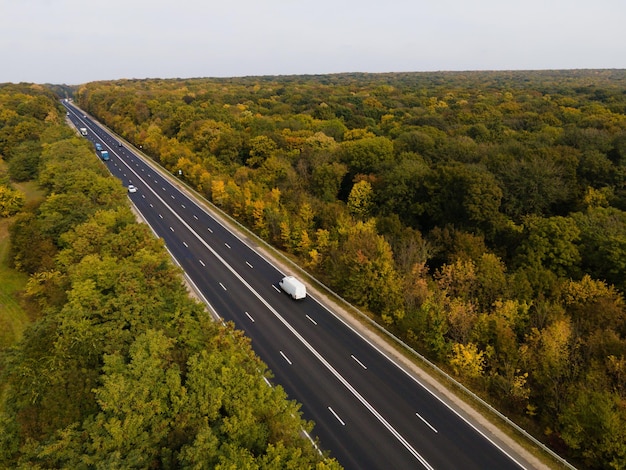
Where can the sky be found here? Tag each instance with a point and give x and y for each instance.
(73, 42)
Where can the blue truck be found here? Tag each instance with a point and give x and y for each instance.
(104, 155)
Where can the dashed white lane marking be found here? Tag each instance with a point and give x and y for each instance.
(285, 357)
(358, 362)
(426, 422)
(336, 416)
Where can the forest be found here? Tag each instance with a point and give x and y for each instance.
(479, 216)
(118, 367)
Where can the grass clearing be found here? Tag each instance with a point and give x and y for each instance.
(31, 190)
(13, 317)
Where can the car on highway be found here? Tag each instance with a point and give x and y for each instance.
(293, 287)
(132, 188)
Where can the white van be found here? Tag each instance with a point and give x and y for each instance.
(293, 287)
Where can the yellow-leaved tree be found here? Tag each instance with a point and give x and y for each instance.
(467, 360)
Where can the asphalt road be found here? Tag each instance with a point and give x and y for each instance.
(369, 412)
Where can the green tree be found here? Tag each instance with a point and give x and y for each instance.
(62, 211)
(536, 184)
(551, 243)
(552, 356)
(402, 190)
(24, 161)
(360, 199)
(326, 180)
(594, 305)
(367, 155)
(362, 266)
(594, 426)
(11, 201)
(31, 248)
(603, 238)
(492, 280)
(464, 196)
(416, 141)
(261, 148)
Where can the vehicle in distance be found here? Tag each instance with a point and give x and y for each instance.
(98, 147)
(293, 287)
(83, 130)
(104, 155)
(132, 188)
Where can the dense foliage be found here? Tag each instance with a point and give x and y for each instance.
(122, 369)
(480, 216)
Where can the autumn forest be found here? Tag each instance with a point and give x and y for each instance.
(479, 216)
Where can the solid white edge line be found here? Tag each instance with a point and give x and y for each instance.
(313, 442)
(306, 434)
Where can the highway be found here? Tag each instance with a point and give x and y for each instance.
(369, 412)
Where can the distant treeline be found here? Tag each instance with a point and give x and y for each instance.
(478, 215)
(121, 368)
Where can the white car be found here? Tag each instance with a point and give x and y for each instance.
(132, 189)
